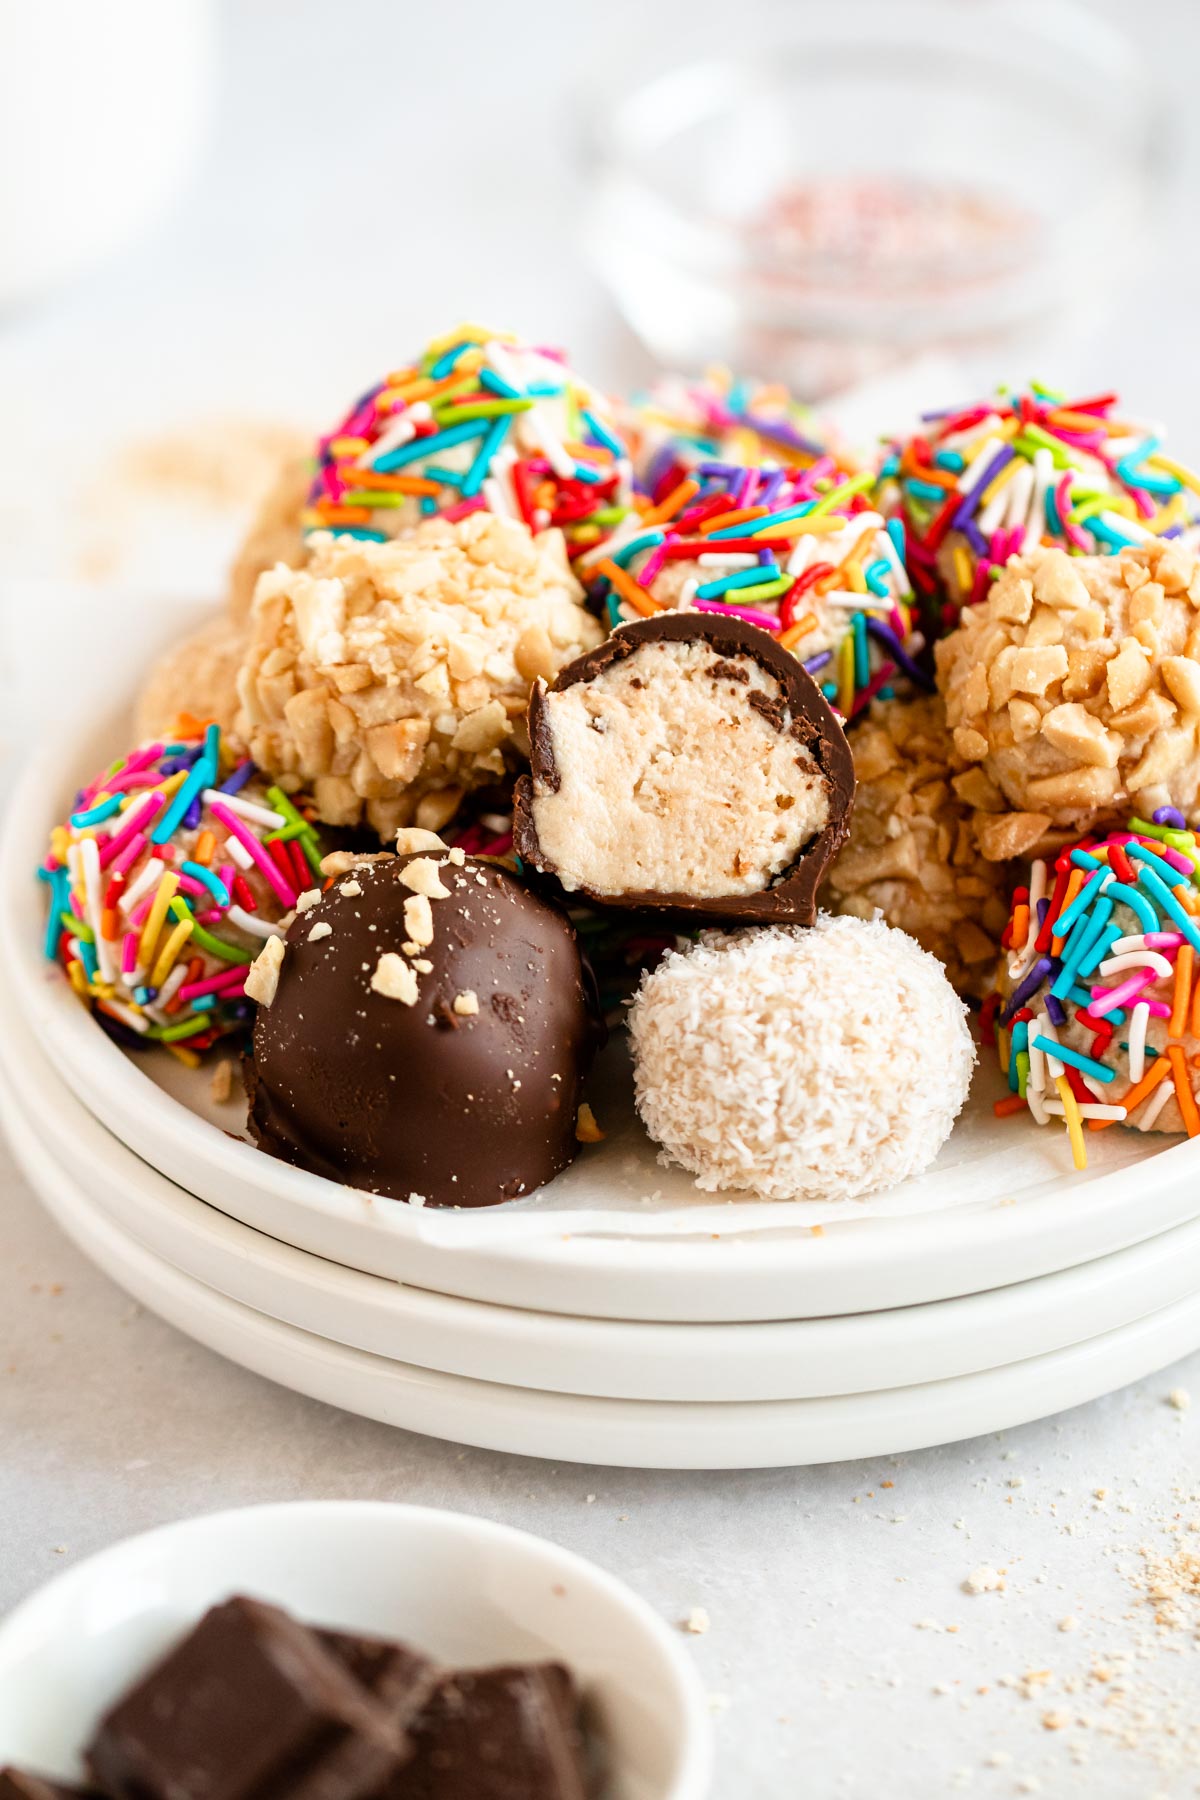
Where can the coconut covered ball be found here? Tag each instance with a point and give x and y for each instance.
(912, 853)
(1076, 687)
(765, 1060)
(393, 678)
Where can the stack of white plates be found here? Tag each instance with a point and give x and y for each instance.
(591, 1324)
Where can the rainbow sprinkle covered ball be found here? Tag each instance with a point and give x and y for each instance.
(480, 421)
(175, 865)
(1098, 1017)
(987, 481)
(796, 548)
(718, 415)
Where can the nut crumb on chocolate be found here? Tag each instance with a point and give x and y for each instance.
(262, 980)
(418, 919)
(394, 979)
(421, 874)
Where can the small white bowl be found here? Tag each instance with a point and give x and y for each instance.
(460, 1588)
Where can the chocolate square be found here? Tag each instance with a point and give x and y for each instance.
(250, 1705)
(401, 1679)
(509, 1733)
(19, 1784)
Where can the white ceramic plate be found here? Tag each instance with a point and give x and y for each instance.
(1033, 1217)
(606, 1358)
(621, 1433)
(462, 1589)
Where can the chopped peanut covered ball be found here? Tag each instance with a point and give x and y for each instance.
(393, 678)
(912, 852)
(1074, 691)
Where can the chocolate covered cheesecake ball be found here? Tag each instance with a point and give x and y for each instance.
(691, 765)
(422, 1032)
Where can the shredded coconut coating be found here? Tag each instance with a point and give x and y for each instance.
(912, 853)
(825, 1063)
(197, 676)
(393, 677)
(1074, 691)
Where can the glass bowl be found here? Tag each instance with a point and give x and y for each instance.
(848, 187)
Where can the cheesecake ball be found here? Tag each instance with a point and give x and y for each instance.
(394, 677)
(687, 765)
(1023, 469)
(765, 1061)
(173, 868)
(195, 679)
(912, 854)
(683, 420)
(423, 1031)
(275, 535)
(799, 550)
(1075, 687)
(1096, 983)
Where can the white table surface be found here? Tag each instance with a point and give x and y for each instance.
(843, 1654)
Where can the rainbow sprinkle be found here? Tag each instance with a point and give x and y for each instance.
(724, 417)
(1106, 937)
(480, 422)
(165, 880)
(798, 550)
(988, 481)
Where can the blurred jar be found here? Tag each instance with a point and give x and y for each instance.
(843, 188)
(101, 107)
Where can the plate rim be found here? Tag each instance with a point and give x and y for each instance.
(616, 1433)
(249, 1267)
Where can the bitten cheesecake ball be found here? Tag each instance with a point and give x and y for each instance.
(1076, 687)
(689, 763)
(765, 1061)
(912, 852)
(394, 677)
(423, 1032)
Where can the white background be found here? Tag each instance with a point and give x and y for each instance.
(374, 172)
